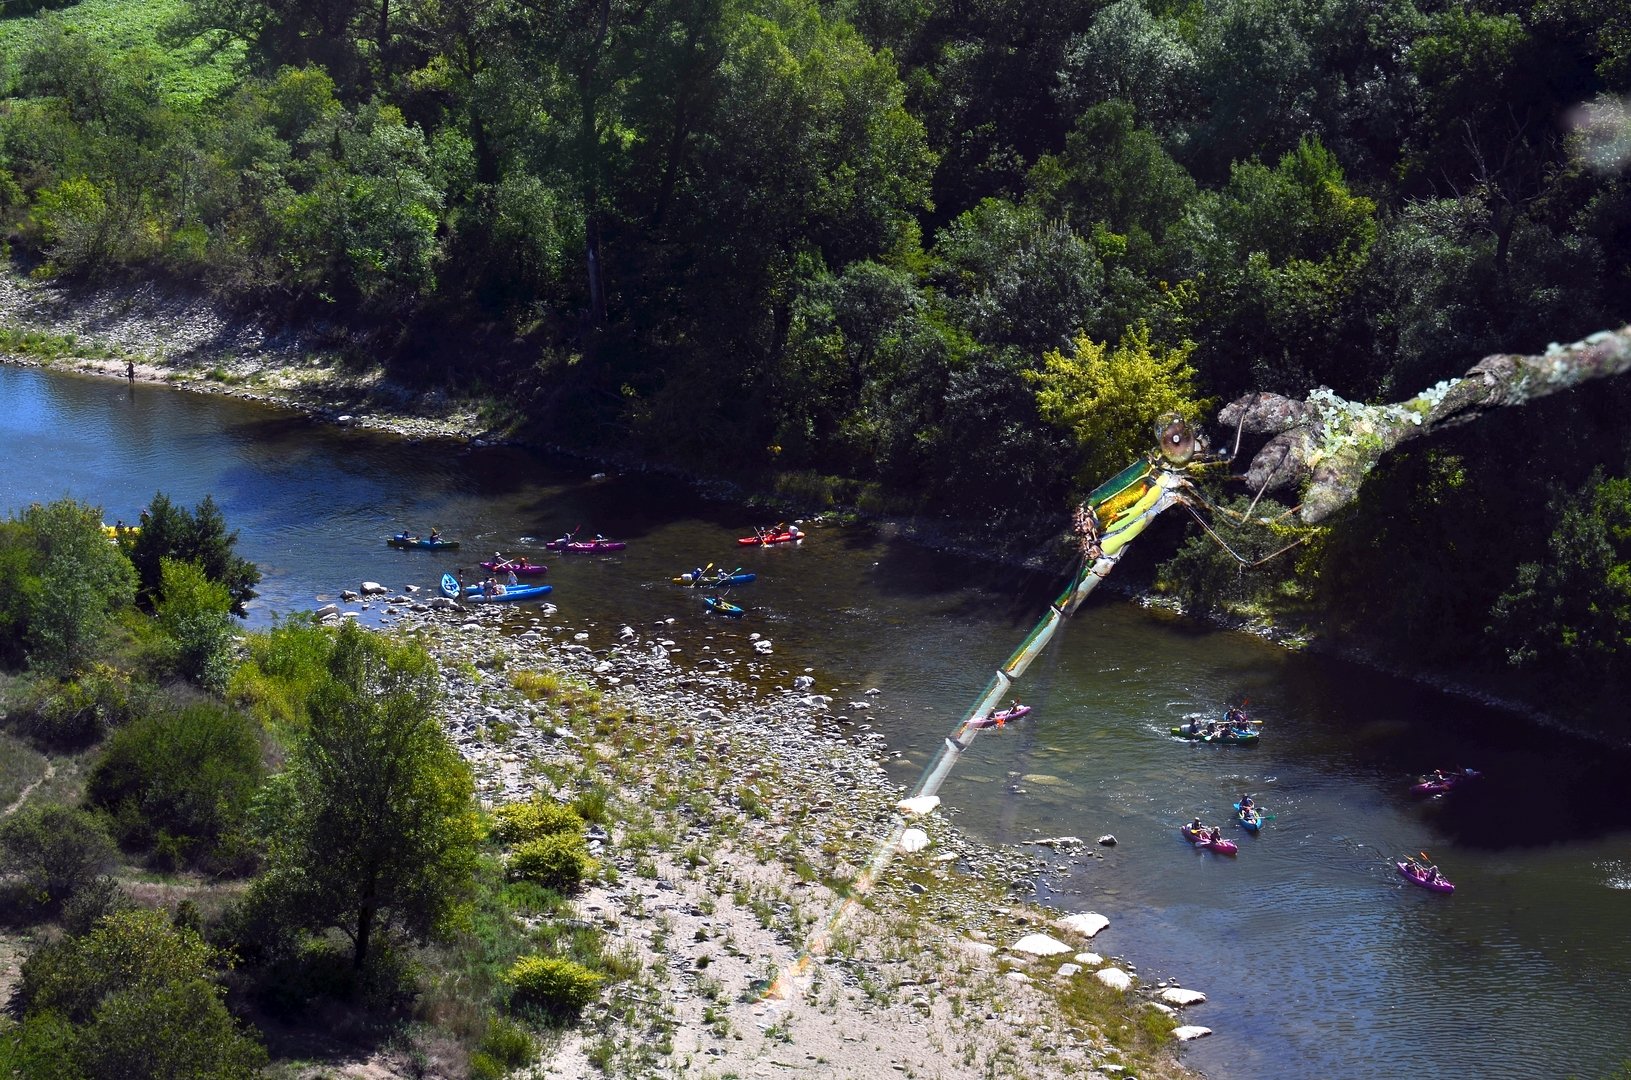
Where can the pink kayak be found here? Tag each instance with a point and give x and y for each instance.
(1202, 838)
(997, 719)
(1438, 781)
(1426, 877)
(518, 567)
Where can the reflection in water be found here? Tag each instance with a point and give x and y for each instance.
(1318, 960)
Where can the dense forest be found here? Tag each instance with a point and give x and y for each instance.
(943, 256)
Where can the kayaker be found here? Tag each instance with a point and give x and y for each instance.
(435, 534)
(512, 579)
(1215, 835)
(1196, 826)
(1246, 802)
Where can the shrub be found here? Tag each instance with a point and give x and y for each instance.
(529, 820)
(55, 850)
(196, 615)
(186, 775)
(286, 664)
(77, 712)
(94, 902)
(555, 986)
(558, 861)
(506, 1045)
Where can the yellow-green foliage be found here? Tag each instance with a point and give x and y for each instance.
(1109, 399)
(552, 984)
(518, 822)
(559, 861)
(285, 665)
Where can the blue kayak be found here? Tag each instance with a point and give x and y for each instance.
(1252, 823)
(511, 593)
(722, 606)
(403, 540)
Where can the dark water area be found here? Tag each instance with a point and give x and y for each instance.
(1318, 959)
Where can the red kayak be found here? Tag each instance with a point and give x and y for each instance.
(787, 537)
(1202, 838)
(518, 567)
(1427, 877)
(997, 719)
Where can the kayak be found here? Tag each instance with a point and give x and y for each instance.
(715, 581)
(511, 593)
(997, 719)
(520, 568)
(1440, 782)
(1252, 823)
(1413, 873)
(403, 540)
(114, 532)
(585, 547)
(722, 606)
(1200, 731)
(1203, 839)
(787, 537)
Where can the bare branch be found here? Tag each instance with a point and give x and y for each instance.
(1329, 444)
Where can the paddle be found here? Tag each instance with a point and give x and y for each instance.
(697, 582)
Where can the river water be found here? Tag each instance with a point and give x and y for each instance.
(1318, 960)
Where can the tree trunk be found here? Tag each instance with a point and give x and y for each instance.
(365, 933)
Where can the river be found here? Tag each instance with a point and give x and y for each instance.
(1318, 960)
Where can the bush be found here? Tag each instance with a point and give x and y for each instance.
(186, 776)
(558, 861)
(138, 996)
(196, 616)
(505, 1047)
(529, 820)
(77, 712)
(554, 986)
(55, 850)
(285, 665)
(93, 903)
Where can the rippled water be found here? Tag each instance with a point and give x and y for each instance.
(1319, 961)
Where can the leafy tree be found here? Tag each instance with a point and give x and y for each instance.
(1110, 398)
(55, 850)
(61, 585)
(1571, 612)
(371, 828)
(188, 773)
(133, 998)
(198, 536)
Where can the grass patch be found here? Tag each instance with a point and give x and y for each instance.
(20, 766)
(189, 76)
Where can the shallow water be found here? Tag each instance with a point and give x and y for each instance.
(1318, 959)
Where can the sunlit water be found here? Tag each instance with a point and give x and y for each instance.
(1319, 961)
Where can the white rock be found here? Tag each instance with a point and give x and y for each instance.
(874, 690)
(580, 636)
(1087, 923)
(442, 602)
(1190, 1031)
(626, 633)
(1088, 959)
(984, 948)
(327, 611)
(410, 588)
(923, 804)
(1018, 977)
(1040, 945)
(1067, 970)
(1108, 840)
(1174, 995)
(369, 588)
(347, 594)
(913, 840)
(1114, 978)
(1164, 1010)
(763, 648)
(803, 682)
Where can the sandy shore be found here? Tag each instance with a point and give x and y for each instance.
(742, 804)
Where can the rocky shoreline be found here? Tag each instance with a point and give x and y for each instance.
(744, 802)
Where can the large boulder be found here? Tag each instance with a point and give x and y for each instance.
(1177, 995)
(1114, 978)
(1039, 945)
(1190, 1031)
(1087, 923)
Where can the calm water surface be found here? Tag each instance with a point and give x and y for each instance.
(1318, 961)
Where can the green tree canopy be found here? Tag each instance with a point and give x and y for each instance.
(372, 827)
(198, 536)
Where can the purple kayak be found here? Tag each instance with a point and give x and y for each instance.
(1427, 877)
(1439, 781)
